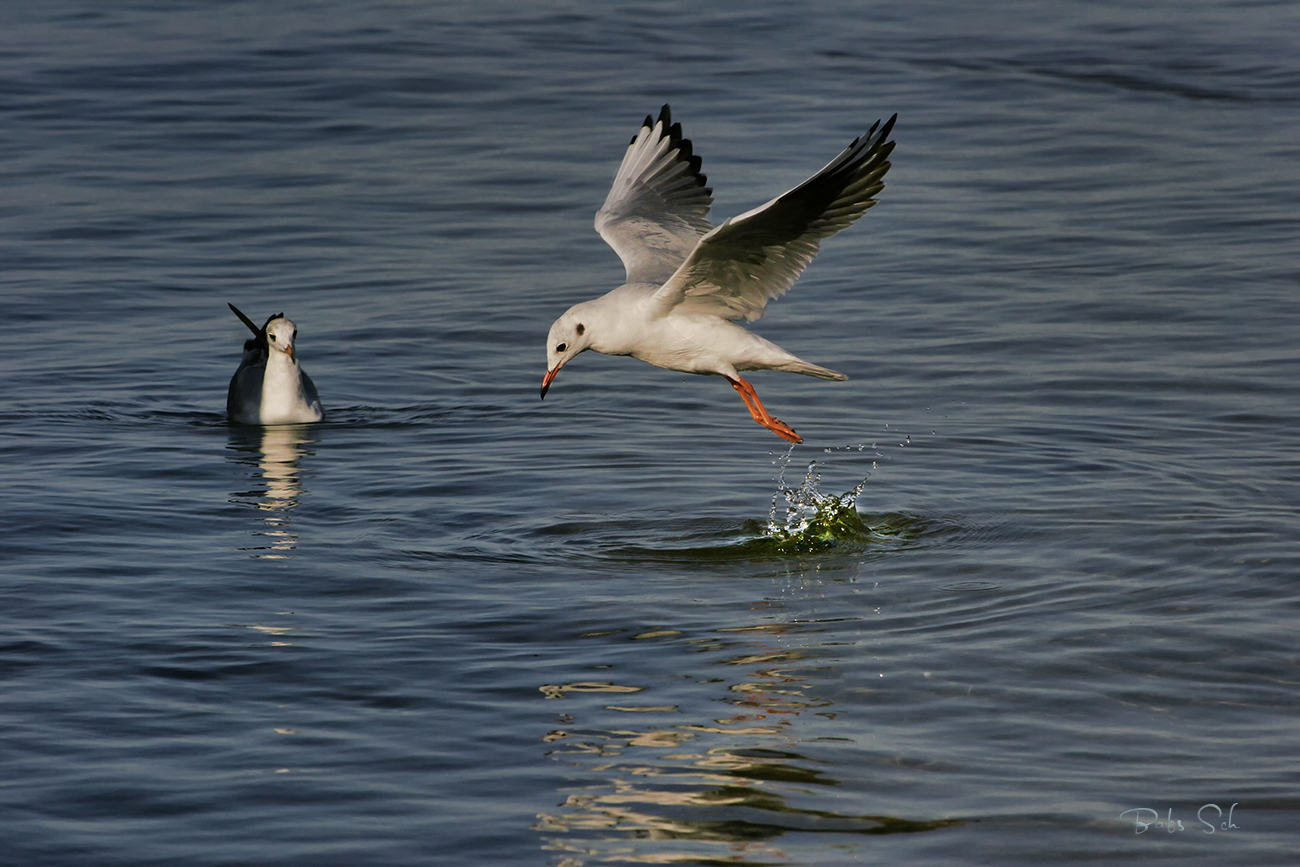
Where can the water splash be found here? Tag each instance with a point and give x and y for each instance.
(803, 521)
(812, 521)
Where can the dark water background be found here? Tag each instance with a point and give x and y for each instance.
(458, 625)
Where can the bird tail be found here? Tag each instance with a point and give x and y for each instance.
(813, 370)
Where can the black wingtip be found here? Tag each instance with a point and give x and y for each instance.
(649, 122)
(885, 148)
(873, 143)
(888, 127)
(885, 130)
(665, 117)
(242, 318)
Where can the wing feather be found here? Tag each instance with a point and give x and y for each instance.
(657, 208)
(738, 267)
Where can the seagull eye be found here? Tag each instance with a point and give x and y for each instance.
(271, 336)
(581, 328)
(562, 347)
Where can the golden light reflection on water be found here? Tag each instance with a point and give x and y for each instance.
(717, 790)
(279, 450)
(281, 634)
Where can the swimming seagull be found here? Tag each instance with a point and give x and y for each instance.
(688, 282)
(269, 387)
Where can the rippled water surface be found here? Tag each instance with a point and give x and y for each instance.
(1026, 595)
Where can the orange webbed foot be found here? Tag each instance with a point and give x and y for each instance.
(760, 413)
(783, 430)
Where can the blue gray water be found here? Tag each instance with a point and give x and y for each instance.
(457, 625)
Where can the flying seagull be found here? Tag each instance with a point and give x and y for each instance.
(688, 283)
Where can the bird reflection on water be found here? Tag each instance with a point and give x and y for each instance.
(277, 452)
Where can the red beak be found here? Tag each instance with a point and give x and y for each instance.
(546, 380)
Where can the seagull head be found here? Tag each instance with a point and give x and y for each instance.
(569, 336)
(280, 335)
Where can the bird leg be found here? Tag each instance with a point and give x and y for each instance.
(760, 414)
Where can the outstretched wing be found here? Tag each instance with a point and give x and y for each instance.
(736, 268)
(657, 209)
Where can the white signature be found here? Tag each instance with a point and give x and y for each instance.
(1145, 818)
